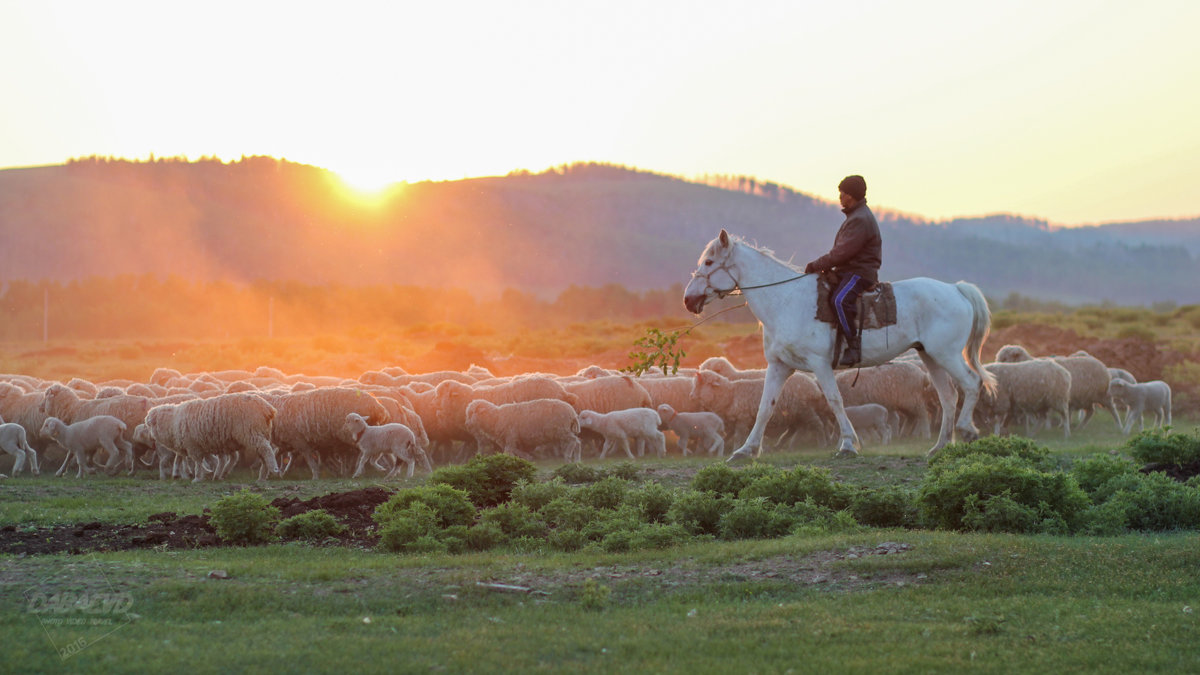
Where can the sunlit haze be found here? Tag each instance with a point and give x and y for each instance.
(1079, 111)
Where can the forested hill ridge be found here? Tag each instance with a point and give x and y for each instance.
(578, 225)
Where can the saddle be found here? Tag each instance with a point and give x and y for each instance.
(876, 305)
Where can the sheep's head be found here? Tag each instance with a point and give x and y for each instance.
(56, 392)
(1118, 388)
(1012, 354)
(355, 426)
(52, 428)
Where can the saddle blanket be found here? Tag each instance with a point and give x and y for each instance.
(876, 307)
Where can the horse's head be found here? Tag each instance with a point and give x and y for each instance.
(712, 277)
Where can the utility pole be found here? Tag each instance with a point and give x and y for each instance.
(271, 316)
(46, 315)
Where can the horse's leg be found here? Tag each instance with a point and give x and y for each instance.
(777, 375)
(947, 397)
(848, 442)
(945, 376)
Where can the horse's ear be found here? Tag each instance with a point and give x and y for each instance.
(724, 237)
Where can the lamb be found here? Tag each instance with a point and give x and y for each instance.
(707, 427)
(541, 425)
(619, 427)
(1089, 381)
(20, 407)
(14, 441)
(722, 365)
(313, 420)
(223, 425)
(392, 439)
(62, 402)
(873, 418)
(674, 391)
(1026, 389)
(99, 432)
(1152, 397)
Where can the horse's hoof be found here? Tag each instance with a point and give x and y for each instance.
(846, 453)
(737, 456)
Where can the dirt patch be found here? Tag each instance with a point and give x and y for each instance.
(169, 530)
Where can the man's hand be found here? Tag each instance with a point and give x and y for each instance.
(810, 268)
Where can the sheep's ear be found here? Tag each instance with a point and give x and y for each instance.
(724, 237)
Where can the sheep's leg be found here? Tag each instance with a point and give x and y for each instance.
(625, 445)
(66, 461)
(363, 456)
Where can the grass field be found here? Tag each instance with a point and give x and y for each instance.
(863, 601)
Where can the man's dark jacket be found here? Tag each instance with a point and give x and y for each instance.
(857, 249)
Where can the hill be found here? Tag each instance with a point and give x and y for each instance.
(580, 225)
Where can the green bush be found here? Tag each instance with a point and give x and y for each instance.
(576, 474)
(963, 487)
(1154, 501)
(720, 479)
(1162, 446)
(885, 506)
(514, 520)
(658, 536)
(699, 512)
(565, 513)
(797, 485)
(484, 537)
(451, 506)
(413, 528)
(606, 493)
(994, 446)
(999, 513)
(487, 479)
(311, 525)
(536, 495)
(1094, 471)
(244, 518)
(625, 470)
(755, 518)
(652, 500)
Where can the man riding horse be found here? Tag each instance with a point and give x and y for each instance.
(853, 261)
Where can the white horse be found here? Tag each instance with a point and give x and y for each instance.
(946, 323)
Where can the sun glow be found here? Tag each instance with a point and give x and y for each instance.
(366, 187)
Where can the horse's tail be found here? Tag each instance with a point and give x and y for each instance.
(981, 325)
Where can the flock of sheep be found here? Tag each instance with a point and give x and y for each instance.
(202, 425)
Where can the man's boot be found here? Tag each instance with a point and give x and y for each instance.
(853, 352)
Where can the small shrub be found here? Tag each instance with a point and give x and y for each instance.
(607, 493)
(411, 529)
(748, 519)
(450, 505)
(612, 522)
(536, 495)
(312, 525)
(244, 517)
(1106, 519)
(699, 512)
(565, 513)
(799, 484)
(1162, 446)
(567, 540)
(487, 479)
(484, 537)
(962, 486)
(658, 536)
(593, 596)
(994, 446)
(1093, 472)
(514, 520)
(720, 479)
(1154, 501)
(886, 506)
(998, 514)
(577, 474)
(624, 470)
(653, 501)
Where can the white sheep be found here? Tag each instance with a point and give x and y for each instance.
(18, 406)
(799, 408)
(1029, 390)
(451, 399)
(539, 426)
(1089, 381)
(672, 390)
(392, 439)
(723, 366)
(707, 428)
(100, 432)
(608, 393)
(1152, 397)
(902, 386)
(871, 418)
(621, 427)
(14, 441)
(206, 429)
(735, 401)
(62, 402)
(312, 420)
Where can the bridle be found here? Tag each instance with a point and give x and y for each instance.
(737, 287)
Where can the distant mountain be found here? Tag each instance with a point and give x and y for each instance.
(580, 225)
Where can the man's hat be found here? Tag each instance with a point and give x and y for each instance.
(855, 186)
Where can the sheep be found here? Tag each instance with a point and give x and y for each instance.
(800, 404)
(675, 391)
(540, 425)
(901, 386)
(18, 406)
(608, 393)
(871, 417)
(14, 441)
(619, 427)
(310, 421)
(452, 398)
(392, 439)
(223, 425)
(1089, 381)
(722, 365)
(1026, 389)
(1146, 397)
(707, 427)
(99, 432)
(62, 402)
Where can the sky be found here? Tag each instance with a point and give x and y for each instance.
(1070, 111)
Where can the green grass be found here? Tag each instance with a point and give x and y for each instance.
(990, 603)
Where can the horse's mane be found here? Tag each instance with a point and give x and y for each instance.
(765, 251)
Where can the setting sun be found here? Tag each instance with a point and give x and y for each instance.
(366, 186)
